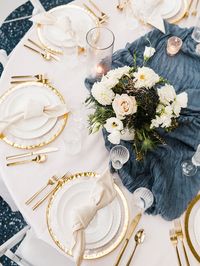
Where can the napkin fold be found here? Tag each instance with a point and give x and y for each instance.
(33, 109)
(101, 195)
(148, 11)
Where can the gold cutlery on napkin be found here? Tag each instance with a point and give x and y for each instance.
(60, 181)
(100, 19)
(41, 151)
(179, 233)
(174, 241)
(103, 14)
(131, 229)
(37, 159)
(52, 180)
(139, 239)
(194, 12)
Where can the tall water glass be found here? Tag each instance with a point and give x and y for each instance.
(196, 31)
(100, 43)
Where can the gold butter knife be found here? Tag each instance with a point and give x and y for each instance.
(132, 227)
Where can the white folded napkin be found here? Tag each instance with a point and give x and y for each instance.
(102, 194)
(33, 109)
(149, 12)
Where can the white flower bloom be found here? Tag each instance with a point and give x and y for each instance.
(168, 110)
(127, 134)
(124, 105)
(145, 77)
(114, 137)
(176, 108)
(103, 95)
(113, 124)
(165, 120)
(117, 73)
(155, 122)
(149, 52)
(182, 99)
(166, 94)
(110, 82)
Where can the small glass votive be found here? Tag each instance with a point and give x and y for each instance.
(100, 43)
(174, 44)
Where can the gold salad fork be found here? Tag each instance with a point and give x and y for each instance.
(103, 14)
(174, 241)
(179, 233)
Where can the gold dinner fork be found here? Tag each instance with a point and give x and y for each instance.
(103, 14)
(59, 183)
(52, 180)
(100, 19)
(174, 241)
(179, 233)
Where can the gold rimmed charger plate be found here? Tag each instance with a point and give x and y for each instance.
(190, 242)
(68, 6)
(63, 119)
(180, 15)
(103, 250)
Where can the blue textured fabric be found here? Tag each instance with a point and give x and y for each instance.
(160, 171)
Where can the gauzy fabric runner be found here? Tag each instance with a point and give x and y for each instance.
(160, 170)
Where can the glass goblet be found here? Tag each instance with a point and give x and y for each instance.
(119, 155)
(189, 167)
(143, 198)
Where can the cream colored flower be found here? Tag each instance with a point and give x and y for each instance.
(180, 102)
(149, 52)
(103, 95)
(113, 124)
(110, 82)
(117, 73)
(114, 137)
(124, 105)
(145, 77)
(166, 94)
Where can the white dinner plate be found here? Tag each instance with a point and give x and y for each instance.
(169, 9)
(54, 37)
(37, 131)
(192, 226)
(102, 228)
(105, 231)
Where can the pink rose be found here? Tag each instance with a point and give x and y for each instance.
(124, 105)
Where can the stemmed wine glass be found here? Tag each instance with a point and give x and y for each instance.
(189, 167)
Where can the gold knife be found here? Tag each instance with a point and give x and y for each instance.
(132, 227)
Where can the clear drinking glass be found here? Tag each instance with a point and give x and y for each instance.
(100, 43)
(143, 198)
(196, 31)
(189, 167)
(174, 44)
(119, 155)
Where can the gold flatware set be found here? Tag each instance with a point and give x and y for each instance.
(102, 17)
(54, 180)
(37, 159)
(48, 55)
(194, 11)
(27, 78)
(176, 234)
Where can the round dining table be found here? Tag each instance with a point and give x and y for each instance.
(22, 181)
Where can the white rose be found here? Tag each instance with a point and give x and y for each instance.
(145, 77)
(113, 124)
(114, 137)
(103, 95)
(124, 105)
(117, 73)
(149, 52)
(166, 94)
(109, 82)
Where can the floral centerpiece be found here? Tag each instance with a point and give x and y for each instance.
(131, 103)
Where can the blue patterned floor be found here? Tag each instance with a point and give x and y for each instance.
(10, 35)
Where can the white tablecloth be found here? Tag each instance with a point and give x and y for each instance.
(22, 181)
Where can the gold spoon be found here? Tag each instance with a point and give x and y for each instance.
(38, 159)
(139, 239)
(52, 180)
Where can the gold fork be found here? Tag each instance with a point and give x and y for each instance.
(179, 233)
(52, 180)
(174, 240)
(59, 183)
(100, 19)
(187, 13)
(103, 14)
(25, 78)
